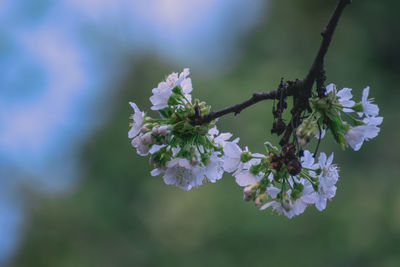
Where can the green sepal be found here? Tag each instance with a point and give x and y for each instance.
(270, 148)
(245, 156)
(298, 187)
(165, 113)
(177, 90)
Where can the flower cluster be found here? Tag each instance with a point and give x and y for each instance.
(349, 122)
(280, 181)
(185, 154)
(287, 179)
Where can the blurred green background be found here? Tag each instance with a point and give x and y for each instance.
(118, 215)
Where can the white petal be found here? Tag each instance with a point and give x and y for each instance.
(222, 138)
(232, 150)
(330, 88)
(345, 94)
(214, 168)
(231, 164)
(213, 131)
(375, 121)
(267, 205)
(370, 131)
(134, 131)
(273, 191)
(245, 178)
(365, 94)
(186, 85)
(329, 160)
(156, 172)
(321, 203)
(355, 137)
(322, 159)
(155, 148)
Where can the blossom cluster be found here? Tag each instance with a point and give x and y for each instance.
(288, 179)
(186, 155)
(351, 123)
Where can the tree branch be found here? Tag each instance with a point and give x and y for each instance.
(300, 90)
(317, 68)
(316, 73)
(236, 109)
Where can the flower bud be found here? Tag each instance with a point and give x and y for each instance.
(147, 138)
(294, 167)
(163, 130)
(144, 129)
(286, 202)
(248, 190)
(259, 199)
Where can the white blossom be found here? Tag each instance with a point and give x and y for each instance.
(309, 195)
(371, 125)
(219, 139)
(244, 176)
(356, 136)
(287, 207)
(138, 118)
(222, 138)
(327, 180)
(307, 160)
(213, 131)
(180, 172)
(161, 130)
(232, 156)
(214, 168)
(344, 97)
(161, 94)
(141, 145)
(329, 170)
(369, 109)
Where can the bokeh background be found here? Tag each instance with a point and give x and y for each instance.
(73, 192)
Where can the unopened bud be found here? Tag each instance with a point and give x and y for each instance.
(247, 198)
(155, 130)
(287, 203)
(144, 129)
(294, 167)
(163, 130)
(304, 141)
(147, 138)
(248, 190)
(259, 199)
